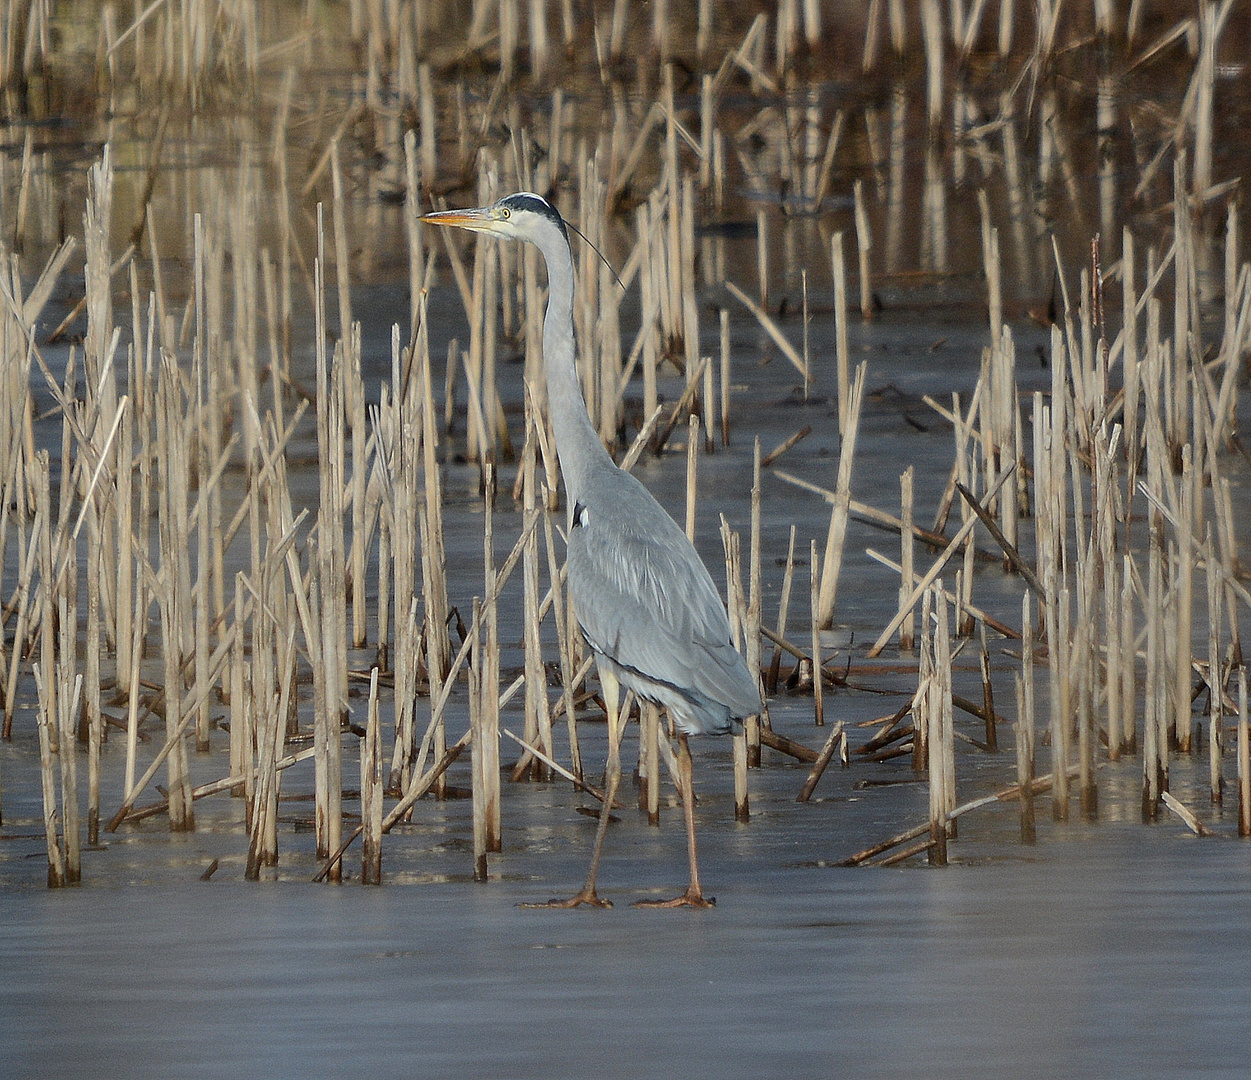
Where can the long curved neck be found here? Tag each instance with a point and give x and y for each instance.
(577, 444)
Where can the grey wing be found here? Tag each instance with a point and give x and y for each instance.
(645, 601)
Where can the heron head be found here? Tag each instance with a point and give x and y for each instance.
(519, 217)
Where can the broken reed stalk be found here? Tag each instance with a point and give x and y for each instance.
(649, 762)
(692, 474)
(860, 858)
(904, 608)
(785, 445)
(818, 703)
(489, 751)
(784, 601)
(725, 377)
(564, 632)
(45, 675)
(988, 698)
(864, 244)
(330, 675)
(1244, 758)
(835, 743)
(907, 548)
(928, 726)
(740, 625)
(754, 613)
(1025, 735)
(371, 789)
(419, 788)
(478, 764)
(836, 538)
(1216, 691)
(1185, 813)
(538, 722)
(842, 355)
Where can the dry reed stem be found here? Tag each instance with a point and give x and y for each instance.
(489, 674)
(755, 613)
(371, 789)
(772, 329)
(837, 738)
(1186, 814)
(478, 763)
(771, 680)
(419, 788)
(965, 530)
(836, 537)
(1244, 758)
(814, 596)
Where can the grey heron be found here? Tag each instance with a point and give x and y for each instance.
(644, 600)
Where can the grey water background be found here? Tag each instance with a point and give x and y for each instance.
(1115, 955)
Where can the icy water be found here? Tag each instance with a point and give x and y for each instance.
(1109, 949)
(1116, 954)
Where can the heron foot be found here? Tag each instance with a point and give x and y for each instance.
(586, 896)
(692, 898)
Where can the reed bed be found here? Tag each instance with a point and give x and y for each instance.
(167, 555)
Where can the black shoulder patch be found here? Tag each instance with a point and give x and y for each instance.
(580, 516)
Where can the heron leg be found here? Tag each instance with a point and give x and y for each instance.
(694, 895)
(612, 778)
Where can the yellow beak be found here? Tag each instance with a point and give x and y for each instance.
(481, 219)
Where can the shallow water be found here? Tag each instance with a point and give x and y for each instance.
(1104, 951)
(1111, 956)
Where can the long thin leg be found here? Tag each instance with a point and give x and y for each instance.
(612, 778)
(694, 895)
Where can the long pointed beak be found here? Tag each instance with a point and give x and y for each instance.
(480, 219)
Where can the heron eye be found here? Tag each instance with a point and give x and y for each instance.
(505, 212)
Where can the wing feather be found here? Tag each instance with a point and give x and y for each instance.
(646, 601)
